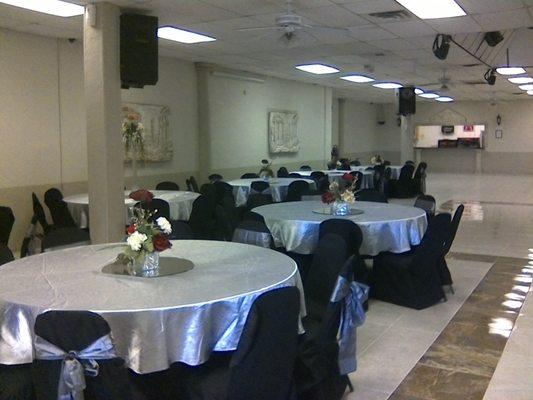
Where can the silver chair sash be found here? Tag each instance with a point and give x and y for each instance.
(353, 295)
(262, 239)
(75, 365)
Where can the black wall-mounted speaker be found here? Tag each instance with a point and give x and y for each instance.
(406, 100)
(139, 52)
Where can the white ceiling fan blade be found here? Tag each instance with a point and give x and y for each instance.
(326, 28)
(258, 28)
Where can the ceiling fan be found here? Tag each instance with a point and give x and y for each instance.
(291, 24)
(445, 83)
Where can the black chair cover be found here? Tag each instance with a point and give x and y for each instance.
(16, 382)
(167, 185)
(403, 186)
(296, 189)
(294, 175)
(282, 173)
(306, 168)
(75, 331)
(224, 222)
(355, 163)
(412, 279)
(215, 178)
(249, 175)
(348, 230)
(426, 203)
(181, 231)
(262, 366)
(257, 200)
(259, 186)
(252, 216)
(371, 195)
(360, 177)
(160, 208)
(253, 232)
(444, 271)
(59, 211)
(194, 184)
(202, 219)
(5, 255)
(7, 219)
(38, 212)
(317, 176)
(65, 237)
(223, 190)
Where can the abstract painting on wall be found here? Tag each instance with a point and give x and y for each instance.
(283, 132)
(157, 145)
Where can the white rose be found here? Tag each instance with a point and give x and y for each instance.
(135, 240)
(164, 225)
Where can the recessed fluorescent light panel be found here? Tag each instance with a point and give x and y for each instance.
(419, 91)
(520, 80)
(54, 7)
(526, 87)
(530, 92)
(387, 85)
(318, 69)
(510, 70)
(182, 36)
(426, 9)
(357, 78)
(444, 99)
(429, 95)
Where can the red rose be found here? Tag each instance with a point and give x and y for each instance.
(132, 228)
(142, 195)
(328, 198)
(348, 177)
(161, 242)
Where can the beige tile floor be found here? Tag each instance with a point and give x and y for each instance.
(394, 338)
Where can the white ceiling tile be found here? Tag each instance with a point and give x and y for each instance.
(393, 44)
(504, 20)
(409, 29)
(246, 7)
(190, 11)
(301, 4)
(372, 6)
(455, 25)
(487, 6)
(333, 16)
(370, 32)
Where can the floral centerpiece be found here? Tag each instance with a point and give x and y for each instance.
(133, 139)
(266, 171)
(146, 237)
(341, 194)
(376, 160)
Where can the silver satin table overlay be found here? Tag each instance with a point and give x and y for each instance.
(278, 188)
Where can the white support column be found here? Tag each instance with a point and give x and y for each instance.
(407, 134)
(101, 44)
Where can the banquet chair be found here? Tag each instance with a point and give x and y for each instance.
(296, 189)
(282, 173)
(306, 168)
(215, 178)
(259, 186)
(444, 271)
(252, 216)
(360, 177)
(371, 195)
(426, 203)
(7, 219)
(419, 179)
(379, 172)
(409, 162)
(160, 208)
(318, 372)
(167, 185)
(317, 176)
(64, 238)
(402, 188)
(253, 232)
(181, 231)
(412, 279)
(262, 366)
(193, 185)
(258, 200)
(59, 211)
(16, 382)
(294, 175)
(225, 224)
(38, 212)
(386, 163)
(5, 254)
(71, 332)
(355, 163)
(202, 219)
(249, 175)
(223, 190)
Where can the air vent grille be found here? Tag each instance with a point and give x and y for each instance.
(399, 15)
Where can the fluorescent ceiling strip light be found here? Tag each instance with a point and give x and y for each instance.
(510, 70)
(429, 95)
(444, 99)
(318, 69)
(54, 7)
(520, 80)
(419, 91)
(430, 9)
(526, 87)
(358, 78)
(387, 85)
(182, 36)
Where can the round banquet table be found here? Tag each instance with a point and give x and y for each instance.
(154, 321)
(395, 169)
(180, 204)
(278, 188)
(336, 175)
(385, 227)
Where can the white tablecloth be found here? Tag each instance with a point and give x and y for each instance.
(154, 321)
(395, 169)
(278, 188)
(335, 175)
(180, 204)
(385, 227)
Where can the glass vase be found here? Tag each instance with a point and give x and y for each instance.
(340, 208)
(146, 265)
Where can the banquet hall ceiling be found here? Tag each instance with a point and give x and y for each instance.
(398, 50)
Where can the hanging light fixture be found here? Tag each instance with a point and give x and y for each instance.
(510, 70)
(490, 76)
